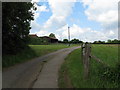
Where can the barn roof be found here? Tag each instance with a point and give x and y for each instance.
(34, 35)
(48, 37)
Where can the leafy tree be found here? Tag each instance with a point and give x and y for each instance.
(16, 17)
(109, 41)
(99, 42)
(52, 35)
(115, 41)
(80, 41)
(65, 41)
(74, 41)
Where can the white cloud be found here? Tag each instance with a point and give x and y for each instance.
(103, 11)
(34, 25)
(86, 34)
(40, 9)
(35, 1)
(60, 11)
(43, 33)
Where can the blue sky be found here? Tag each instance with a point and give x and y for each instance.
(87, 20)
(44, 16)
(81, 19)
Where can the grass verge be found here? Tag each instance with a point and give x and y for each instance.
(74, 68)
(29, 53)
(99, 77)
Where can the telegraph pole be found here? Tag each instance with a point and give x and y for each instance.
(69, 35)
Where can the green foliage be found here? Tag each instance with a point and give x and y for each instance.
(115, 41)
(29, 53)
(37, 41)
(75, 41)
(107, 53)
(100, 76)
(107, 75)
(104, 76)
(111, 74)
(99, 42)
(109, 41)
(44, 49)
(65, 41)
(16, 17)
(73, 65)
(52, 35)
(24, 55)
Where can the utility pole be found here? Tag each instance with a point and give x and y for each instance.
(69, 35)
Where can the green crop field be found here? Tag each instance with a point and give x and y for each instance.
(30, 53)
(107, 53)
(99, 76)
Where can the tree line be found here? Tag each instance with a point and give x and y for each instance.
(39, 41)
(16, 18)
(73, 41)
(115, 41)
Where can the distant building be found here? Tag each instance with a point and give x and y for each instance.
(33, 35)
(50, 39)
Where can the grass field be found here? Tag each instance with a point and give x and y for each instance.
(107, 53)
(30, 53)
(99, 76)
(44, 49)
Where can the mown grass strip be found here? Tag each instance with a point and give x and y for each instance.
(74, 68)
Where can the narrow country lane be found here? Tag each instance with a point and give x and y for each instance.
(41, 72)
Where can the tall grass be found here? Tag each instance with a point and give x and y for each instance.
(74, 68)
(30, 53)
(109, 74)
(107, 53)
(45, 49)
(10, 60)
(99, 76)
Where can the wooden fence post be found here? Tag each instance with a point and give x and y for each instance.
(86, 57)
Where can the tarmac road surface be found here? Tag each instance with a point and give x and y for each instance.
(41, 72)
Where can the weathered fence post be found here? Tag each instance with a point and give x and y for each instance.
(86, 56)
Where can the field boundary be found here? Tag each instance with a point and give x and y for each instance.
(86, 57)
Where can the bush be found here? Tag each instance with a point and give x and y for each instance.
(37, 41)
(110, 74)
(24, 55)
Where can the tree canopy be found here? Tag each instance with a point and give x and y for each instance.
(16, 17)
(52, 35)
(115, 41)
(75, 41)
(65, 40)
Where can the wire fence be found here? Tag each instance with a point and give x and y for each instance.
(86, 56)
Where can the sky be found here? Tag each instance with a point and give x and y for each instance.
(89, 20)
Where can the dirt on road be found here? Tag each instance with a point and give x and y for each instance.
(41, 72)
